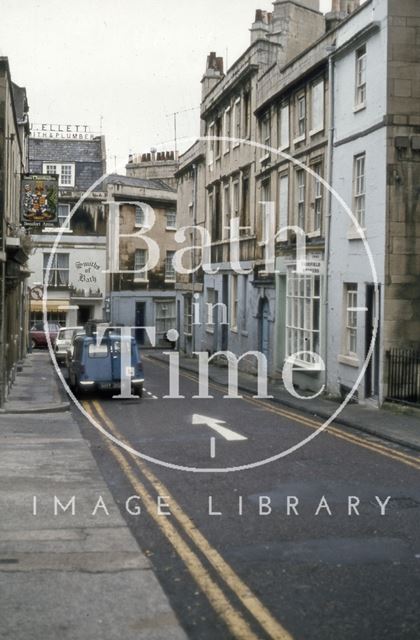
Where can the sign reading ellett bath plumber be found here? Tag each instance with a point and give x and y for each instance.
(39, 199)
(62, 131)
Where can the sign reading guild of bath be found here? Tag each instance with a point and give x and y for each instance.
(62, 131)
(39, 199)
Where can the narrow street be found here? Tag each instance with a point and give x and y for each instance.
(283, 550)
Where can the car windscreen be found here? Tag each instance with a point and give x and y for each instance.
(65, 334)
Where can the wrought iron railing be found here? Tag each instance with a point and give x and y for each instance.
(404, 375)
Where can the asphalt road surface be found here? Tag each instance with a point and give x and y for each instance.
(320, 544)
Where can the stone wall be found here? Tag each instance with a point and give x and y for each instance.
(402, 294)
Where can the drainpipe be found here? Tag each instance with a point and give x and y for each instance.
(330, 50)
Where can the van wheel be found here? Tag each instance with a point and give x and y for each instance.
(140, 391)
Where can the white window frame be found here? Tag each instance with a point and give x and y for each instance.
(172, 213)
(59, 276)
(143, 276)
(283, 125)
(187, 324)
(317, 107)
(282, 206)
(301, 115)
(360, 78)
(301, 198)
(359, 189)
(265, 134)
(165, 318)
(303, 306)
(170, 273)
(318, 199)
(350, 328)
(265, 197)
(56, 168)
(227, 205)
(237, 122)
(211, 144)
(139, 217)
(62, 219)
(227, 123)
(247, 115)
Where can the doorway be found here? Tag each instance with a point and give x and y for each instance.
(140, 321)
(264, 332)
(84, 314)
(373, 306)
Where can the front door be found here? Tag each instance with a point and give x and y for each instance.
(140, 321)
(264, 327)
(373, 306)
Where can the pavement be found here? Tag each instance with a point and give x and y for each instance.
(393, 423)
(66, 574)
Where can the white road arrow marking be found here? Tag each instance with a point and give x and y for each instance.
(216, 425)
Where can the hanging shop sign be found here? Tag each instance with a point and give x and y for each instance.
(39, 199)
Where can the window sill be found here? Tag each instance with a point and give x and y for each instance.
(284, 147)
(170, 228)
(56, 230)
(265, 158)
(300, 139)
(170, 281)
(234, 329)
(314, 234)
(244, 334)
(141, 280)
(236, 145)
(226, 152)
(353, 234)
(359, 107)
(304, 367)
(350, 361)
(210, 331)
(314, 132)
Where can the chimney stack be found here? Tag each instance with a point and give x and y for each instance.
(261, 26)
(214, 73)
(340, 9)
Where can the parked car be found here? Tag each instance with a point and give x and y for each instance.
(96, 364)
(70, 348)
(64, 340)
(38, 337)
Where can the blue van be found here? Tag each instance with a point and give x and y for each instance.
(97, 364)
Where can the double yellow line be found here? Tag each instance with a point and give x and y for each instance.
(376, 447)
(187, 541)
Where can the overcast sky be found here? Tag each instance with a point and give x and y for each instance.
(131, 62)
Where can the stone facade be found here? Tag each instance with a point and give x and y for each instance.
(142, 298)
(191, 204)
(347, 85)
(15, 244)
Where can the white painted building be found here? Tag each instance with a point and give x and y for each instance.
(376, 171)
(359, 176)
(76, 281)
